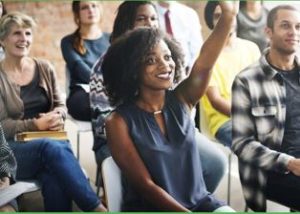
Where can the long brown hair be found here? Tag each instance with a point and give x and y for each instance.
(78, 43)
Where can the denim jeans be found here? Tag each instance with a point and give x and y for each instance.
(54, 165)
(213, 160)
(210, 156)
(224, 134)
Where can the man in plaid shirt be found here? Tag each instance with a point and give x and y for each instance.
(266, 117)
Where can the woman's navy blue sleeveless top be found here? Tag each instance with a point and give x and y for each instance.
(173, 162)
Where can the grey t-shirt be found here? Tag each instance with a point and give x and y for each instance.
(291, 138)
(253, 30)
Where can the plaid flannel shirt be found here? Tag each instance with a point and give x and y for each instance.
(258, 115)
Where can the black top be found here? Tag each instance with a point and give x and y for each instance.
(34, 98)
(291, 138)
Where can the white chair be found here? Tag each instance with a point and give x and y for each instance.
(82, 126)
(205, 130)
(112, 183)
(13, 191)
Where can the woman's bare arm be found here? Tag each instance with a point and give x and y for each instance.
(131, 165)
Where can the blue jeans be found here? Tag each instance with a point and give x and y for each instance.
(213, 160)
(224, 134)
(54, 165)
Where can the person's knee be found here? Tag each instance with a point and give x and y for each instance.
(7, 208)
(101, 154)
(55, 148)
(213, 160)
(211, 155)
(220, 162)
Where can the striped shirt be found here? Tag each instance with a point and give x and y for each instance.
(258, 115)
(100, 106)
(8, 164)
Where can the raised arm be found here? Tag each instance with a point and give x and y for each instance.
(131, 165)
(193, 88)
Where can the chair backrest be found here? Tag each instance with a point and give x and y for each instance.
(111, 175)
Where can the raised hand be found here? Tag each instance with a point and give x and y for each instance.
(230, 6)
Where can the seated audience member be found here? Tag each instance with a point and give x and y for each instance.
(80, 50)
(130, 14)
(30, 101)
(133, 14)
(8, 166)
(182, 23)
(151, 134)
(251, 22)
(2, 13)
(235, 56)
(266, 117)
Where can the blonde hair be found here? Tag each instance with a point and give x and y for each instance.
(14, 18)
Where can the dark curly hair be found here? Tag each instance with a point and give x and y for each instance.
(125, 60)
(209, 13)
(125, 18)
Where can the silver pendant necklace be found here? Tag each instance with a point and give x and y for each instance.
(157, 112)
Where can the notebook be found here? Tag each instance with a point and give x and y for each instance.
(27, 136)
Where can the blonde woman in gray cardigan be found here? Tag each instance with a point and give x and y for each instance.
(30, 101)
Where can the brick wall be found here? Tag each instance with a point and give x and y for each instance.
(55, 20)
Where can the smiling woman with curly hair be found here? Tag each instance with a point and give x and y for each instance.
(123, 81)
(150, 134)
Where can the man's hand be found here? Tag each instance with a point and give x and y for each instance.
(294, 166)
(4, 182)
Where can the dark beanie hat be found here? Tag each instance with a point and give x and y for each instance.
(209, 13)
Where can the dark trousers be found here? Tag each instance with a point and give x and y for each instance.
(284, 189)
(78, 104)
